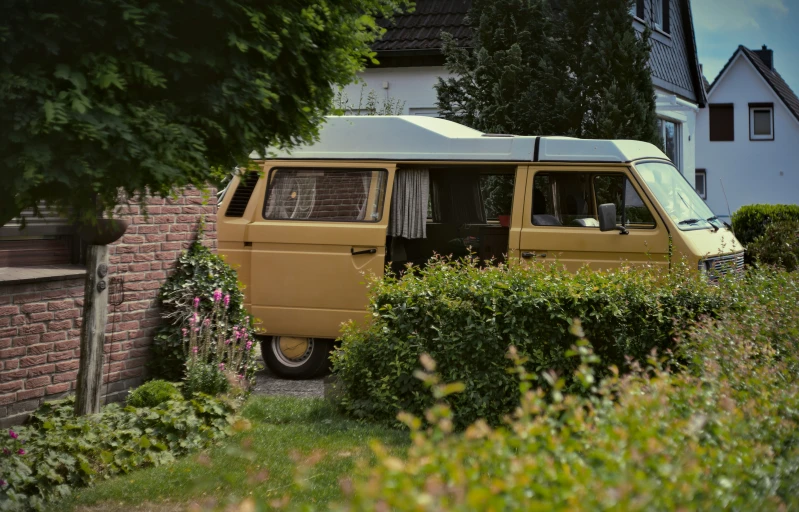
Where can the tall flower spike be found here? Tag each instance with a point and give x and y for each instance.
(196, 302)
(227, 300)
(217, 295)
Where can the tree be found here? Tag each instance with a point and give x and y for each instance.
(539, 67)
(107, 100)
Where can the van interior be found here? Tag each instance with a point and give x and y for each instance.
(453, 211)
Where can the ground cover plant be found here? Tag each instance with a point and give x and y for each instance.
(465, 317)
(62, 452)
(296, 445)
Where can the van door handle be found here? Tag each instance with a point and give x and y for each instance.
(528, 255)
(365, 251)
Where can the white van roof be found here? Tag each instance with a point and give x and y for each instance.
(420, 138)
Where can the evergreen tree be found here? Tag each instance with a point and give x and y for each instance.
(541, 67)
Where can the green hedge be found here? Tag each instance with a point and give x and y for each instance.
(465, 318)
(750, 221)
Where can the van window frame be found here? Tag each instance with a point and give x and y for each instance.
(382, 201)
(592, 175)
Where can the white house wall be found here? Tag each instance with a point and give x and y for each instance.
(413, 85)
(416, 87)
(752, 171)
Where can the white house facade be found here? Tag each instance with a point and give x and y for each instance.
(411, 63)
(748, 137)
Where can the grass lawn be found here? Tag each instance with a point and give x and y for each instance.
(261, 462)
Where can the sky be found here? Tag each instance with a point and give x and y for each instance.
(722, 25)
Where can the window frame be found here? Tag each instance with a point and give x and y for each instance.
(677, 161)
(657, 14)
(382, 200)
(753, 107)
(703, 174)
(592, 175)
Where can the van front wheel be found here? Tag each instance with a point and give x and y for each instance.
(293, 357)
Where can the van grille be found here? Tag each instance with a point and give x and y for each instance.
(238, 203)
(723, 265)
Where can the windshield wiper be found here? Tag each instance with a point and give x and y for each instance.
(710, 219)
(689, 221)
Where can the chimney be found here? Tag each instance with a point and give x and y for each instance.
(767, 56)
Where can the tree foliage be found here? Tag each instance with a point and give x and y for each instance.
(536, 67)
(106, 97)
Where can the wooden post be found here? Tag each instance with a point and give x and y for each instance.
(92, 333)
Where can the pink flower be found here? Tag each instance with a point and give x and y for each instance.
(241, 377)
(196, 302)
(194, 349)
(249, 344)
(221, 366)
(13, 434)
(238, 335)
(6, 451)
(21, 451)
(217, 295)
(207, 322)
(2, 483)
(185, 332)
(227, 300)
(227, 342)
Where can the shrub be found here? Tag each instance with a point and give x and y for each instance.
(465, 317)
(198, 273)
(62, 451)
(218, 354)
(750, 221)
(778, 245)
(724, 435)
(152, 393)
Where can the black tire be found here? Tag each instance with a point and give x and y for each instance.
(315, 363)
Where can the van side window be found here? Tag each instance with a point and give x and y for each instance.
(630, 209)
(571, 199)
(343, 195)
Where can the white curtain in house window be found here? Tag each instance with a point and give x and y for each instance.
(670, 133)
(409, 204)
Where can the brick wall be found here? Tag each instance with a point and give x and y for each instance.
(40, 321)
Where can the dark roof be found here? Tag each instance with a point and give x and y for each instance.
(705, 83)
(674, 65)
(770, 75)
(421, 29)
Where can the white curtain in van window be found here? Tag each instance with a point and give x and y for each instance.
(409, 204)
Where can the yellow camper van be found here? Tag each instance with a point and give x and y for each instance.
(392, 190)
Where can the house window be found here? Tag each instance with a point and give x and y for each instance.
(722, 127)
(761, 121)
(670, 133)
(637, 9)
(701, 183)
(657, 13)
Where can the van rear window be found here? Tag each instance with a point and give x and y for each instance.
(343, 195)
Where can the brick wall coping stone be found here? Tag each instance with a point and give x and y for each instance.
(42, 273)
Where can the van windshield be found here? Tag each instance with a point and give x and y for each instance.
(677, 197)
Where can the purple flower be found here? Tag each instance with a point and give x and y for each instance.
(2, 483)
(227, 342)
(6, 451)
(13, 434)
(227, 300)
(221, 366)
(207, 322)
(196, 302)
(21, 451)
(249, 344)
(217, 295)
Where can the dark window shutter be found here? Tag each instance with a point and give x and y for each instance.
(722, 126)
(666, 12)
(238, 203)
(639, 8)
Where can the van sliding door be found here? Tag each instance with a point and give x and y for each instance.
(319, 230)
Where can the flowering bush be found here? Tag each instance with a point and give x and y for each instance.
(220, 355)
(199, 273)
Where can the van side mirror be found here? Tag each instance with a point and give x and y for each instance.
(607, 219)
